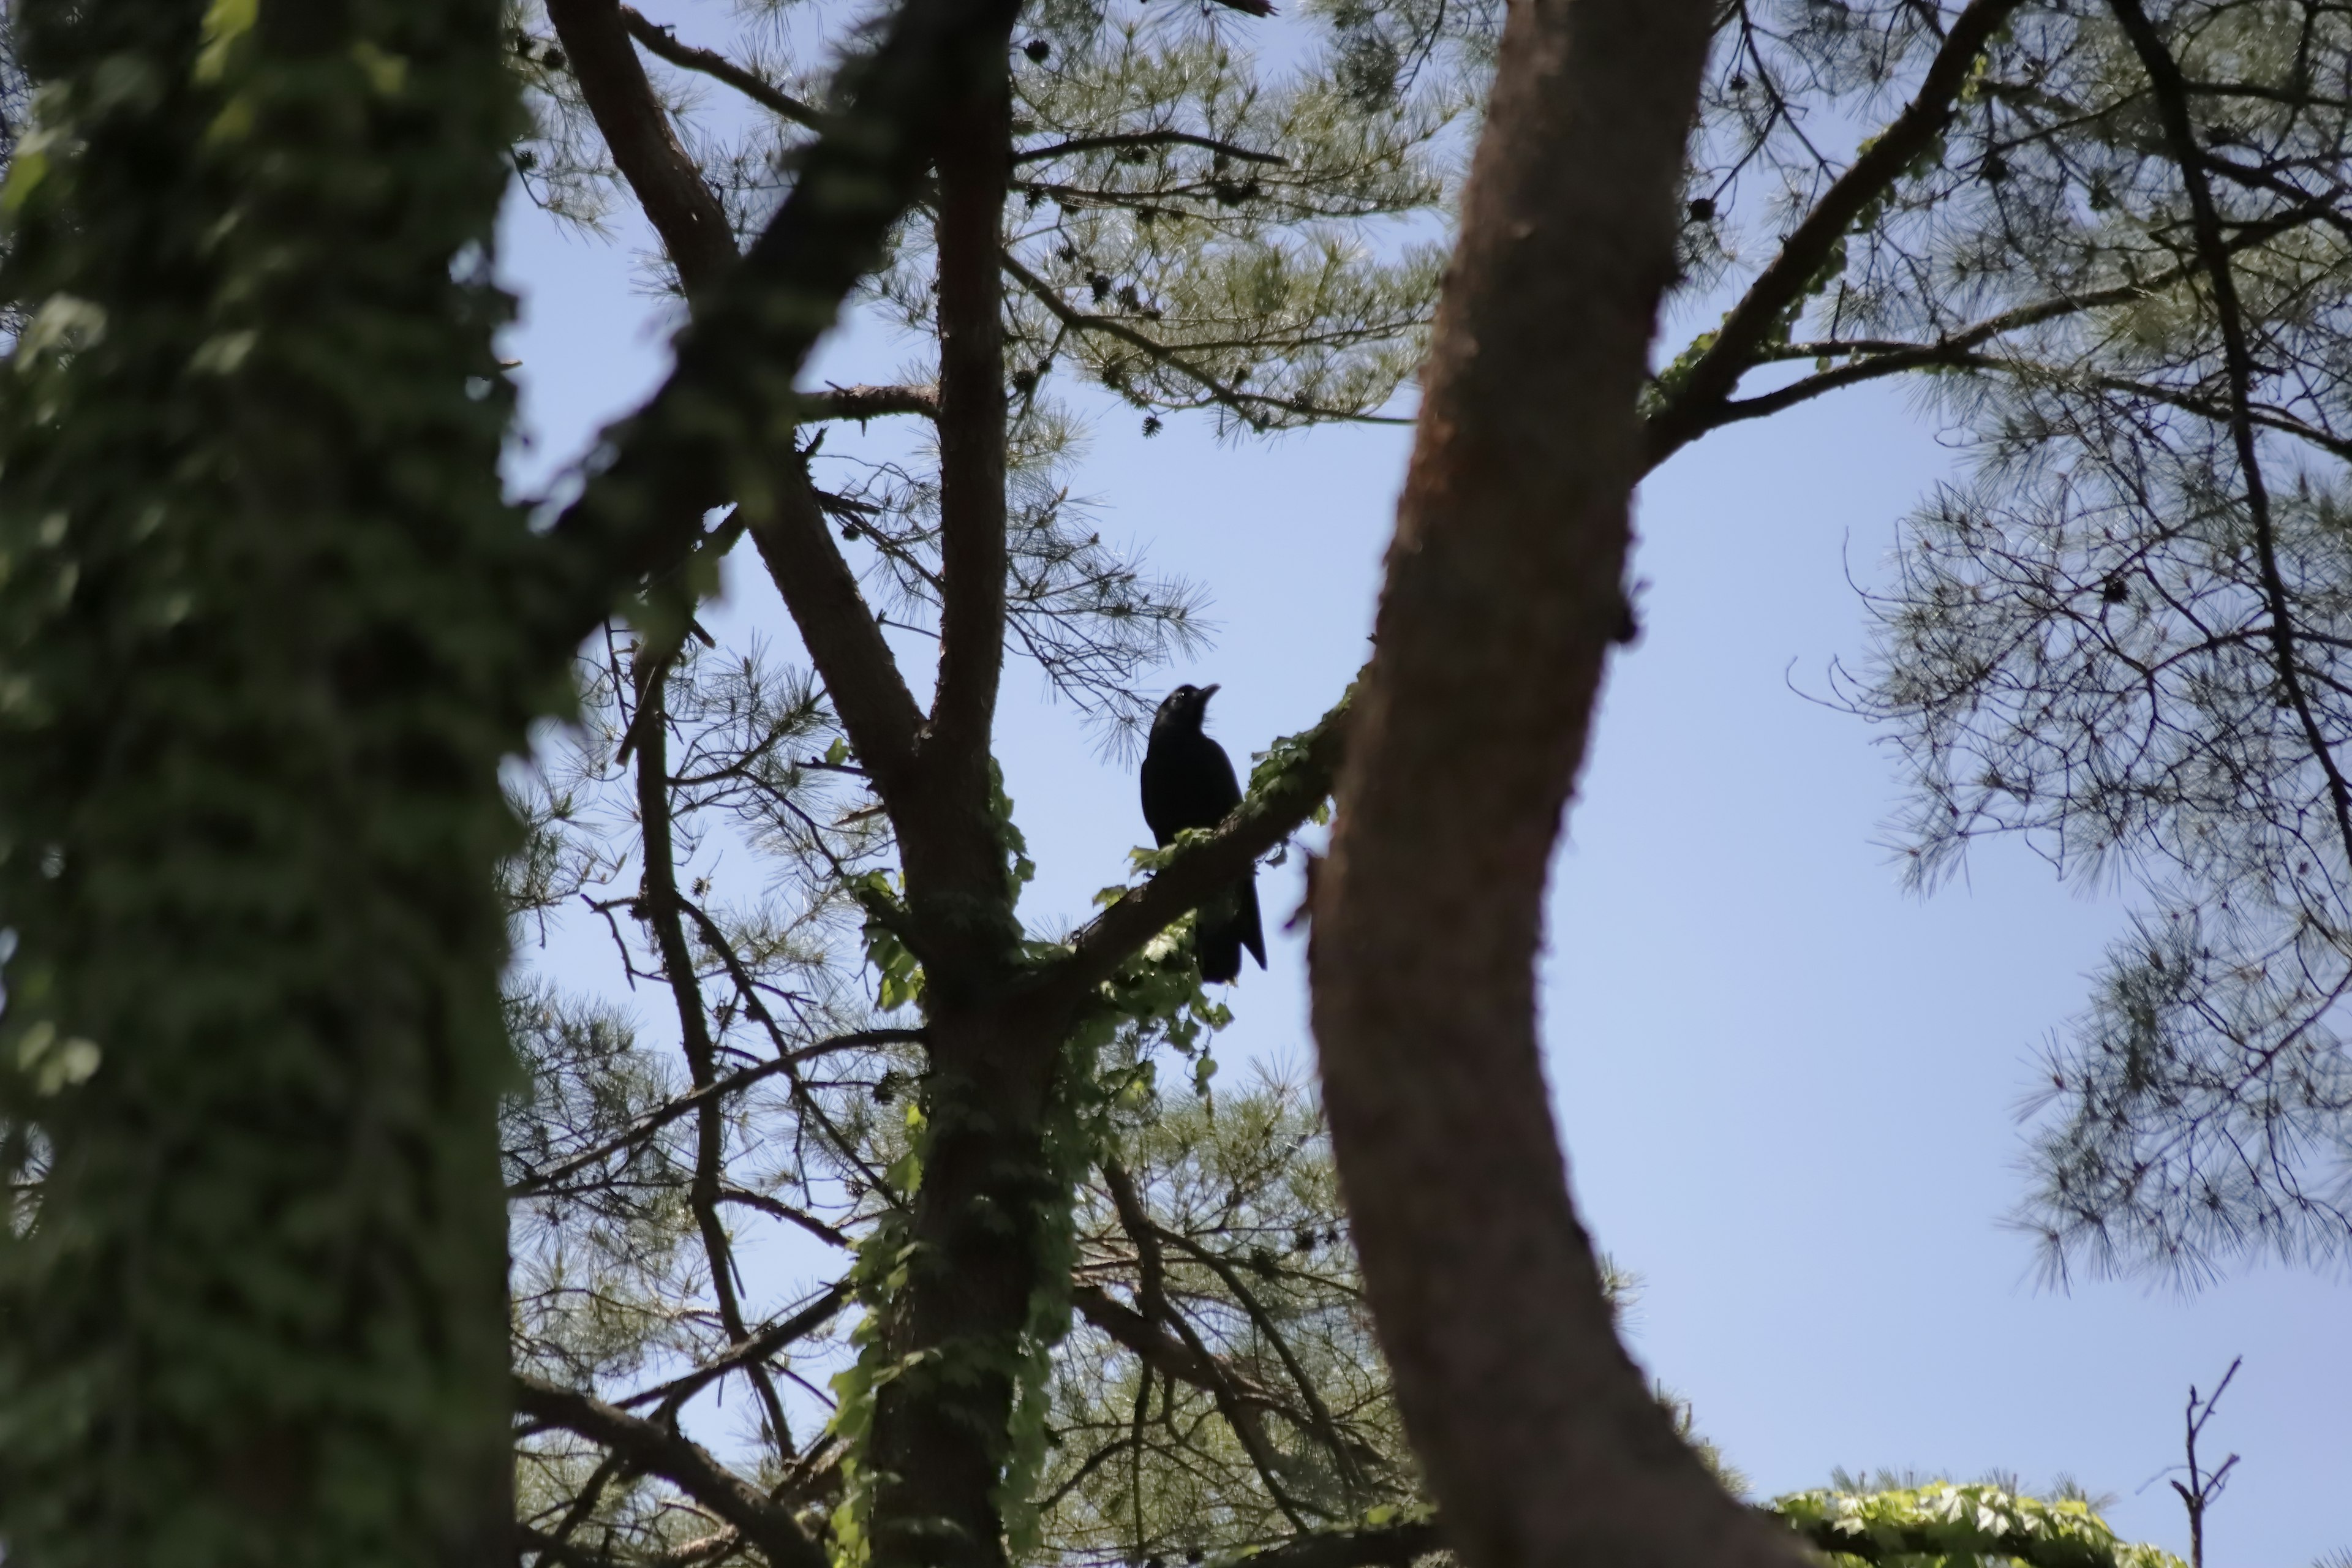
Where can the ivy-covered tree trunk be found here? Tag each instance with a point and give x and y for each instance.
(258, 668)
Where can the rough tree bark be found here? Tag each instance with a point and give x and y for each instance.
(1541, 1440)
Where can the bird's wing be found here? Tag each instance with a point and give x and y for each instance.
(1159, 811)
(1231, 796)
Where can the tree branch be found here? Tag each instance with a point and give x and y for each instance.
(1238, 1399)
(653, 1122)
(1157, 1349)
(645, 148)
(2172, 111)
(790, 532)
(663, 908)
(1540, 1438)
(556, 1551)
(662, 42)
(1319, 1415)
(862, 402)
(655, 1450)
(1876, 359)
(713, 431)
(1248, 405)
(842, 637)
(761, 1345)
(1148, 138)
(776, 1208)
(1765, 312)
(973, 167)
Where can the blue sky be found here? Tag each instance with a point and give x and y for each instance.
(1785, 1087)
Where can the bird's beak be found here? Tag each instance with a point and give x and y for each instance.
(1207, 692)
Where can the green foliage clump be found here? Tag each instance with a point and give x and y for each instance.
(1972, 1526)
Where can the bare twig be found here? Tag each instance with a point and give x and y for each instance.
(2203, 1486)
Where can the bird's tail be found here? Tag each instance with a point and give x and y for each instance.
(1224, 928)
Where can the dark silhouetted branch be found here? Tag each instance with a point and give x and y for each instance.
(663, 43)
(1764, 312)
(655, 1450)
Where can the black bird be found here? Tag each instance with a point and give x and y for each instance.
(1188, 782)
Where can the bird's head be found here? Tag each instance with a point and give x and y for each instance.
(1183, 707)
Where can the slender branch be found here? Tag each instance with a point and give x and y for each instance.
(760, 1347)
(1877, 359)
(756, 1009)
(1319, 1414)
(775, 1208)
(790, 532)
(1764, 312)
(2171, 94)
(1202, 1368)
(1152, 1284)
(1076, 144)
(970, 231)
(844, 640)
(590, 1495)
(653, 1120)
(663, 908)
(1157, 1347)
(644, 147)
(2269, 419)
(663, 42)
(711, 433)
(555, 1548)
(555, 1552)
(1202, 868)
(1248, 405)
(1242, 1420)
(656, 1450)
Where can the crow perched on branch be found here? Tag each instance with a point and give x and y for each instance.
(1188, 782)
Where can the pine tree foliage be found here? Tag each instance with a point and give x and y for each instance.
(2121, 639)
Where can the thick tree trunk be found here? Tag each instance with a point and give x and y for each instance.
(262, 668)
(983, 1217)
(958, 1328)
(1541, 1440)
